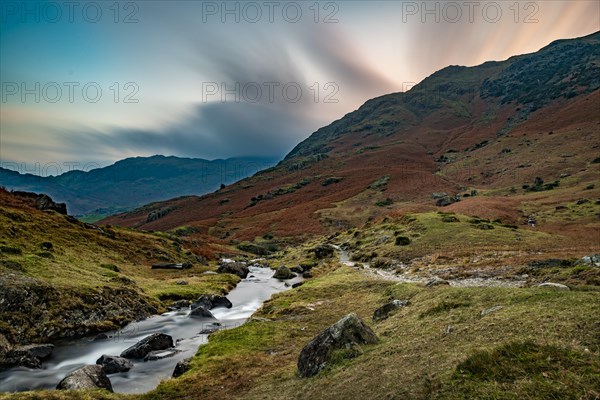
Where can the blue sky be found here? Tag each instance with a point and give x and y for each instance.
(166, 70)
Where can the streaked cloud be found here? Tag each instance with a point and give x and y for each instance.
(175, 50)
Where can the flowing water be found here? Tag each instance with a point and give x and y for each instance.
(68, 356)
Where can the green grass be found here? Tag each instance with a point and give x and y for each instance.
(85, 262)
(542, 344)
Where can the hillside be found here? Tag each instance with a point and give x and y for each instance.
(60, 277)
(133, 182)
(481, 135)
(459, 223)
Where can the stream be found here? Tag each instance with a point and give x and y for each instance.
(70, 355)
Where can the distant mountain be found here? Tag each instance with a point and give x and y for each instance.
(134, 181)
(502, 140)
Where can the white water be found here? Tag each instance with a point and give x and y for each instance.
(68, 356)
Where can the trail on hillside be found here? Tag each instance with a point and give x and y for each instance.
(406, 276)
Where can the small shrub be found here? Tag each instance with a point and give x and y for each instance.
(402, 241)
(110, 267)
(387, 202)
(331, 180)
(11, 250)
(449, 218)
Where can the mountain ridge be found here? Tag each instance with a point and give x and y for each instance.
(135, 181)
(453, 133)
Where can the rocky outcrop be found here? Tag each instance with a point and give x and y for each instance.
(44, 202)
(36, 311)
(88, 377)
(347, 332)
(235, 268)
(30, 356)
(156, 341)
(114, 364)
(385, 310)
(284, 273)
(182, 367)
(210, 301)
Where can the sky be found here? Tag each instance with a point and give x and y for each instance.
(87, 83)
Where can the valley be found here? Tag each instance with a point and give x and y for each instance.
(440, 243)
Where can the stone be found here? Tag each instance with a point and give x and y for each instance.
(491, 310)
(179, 305)
(307, 275)
(235, 268)
(324, 251)
(210, 301)
(29, 356)
(348, 330)
(201, 311)
(39, 351)
(100, 336)
(182, 367)
(88, 377)
(114, 364)
(437, 282)
(208, 330)
(552, 285)
(181, 283)
(283, 273)
(297, 269)
(156, 341)
(593, 260)
(384, 311)
(297, 284)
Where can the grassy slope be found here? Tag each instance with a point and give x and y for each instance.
(482, 357)
(81, 264)
(415, 358)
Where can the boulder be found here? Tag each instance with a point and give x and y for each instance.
(235, 268)
(156, 341)
(45, 202)
(552, 285)
(297, 269)
(29, 356)
(297, 284)
(384, 311)
(201, 311)
(88, 377)
(307, 275)
(40, 351)
(284, 273)
(348, 330)
(114, 364)
(210, 301)
(324, 251)
(182, 367)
